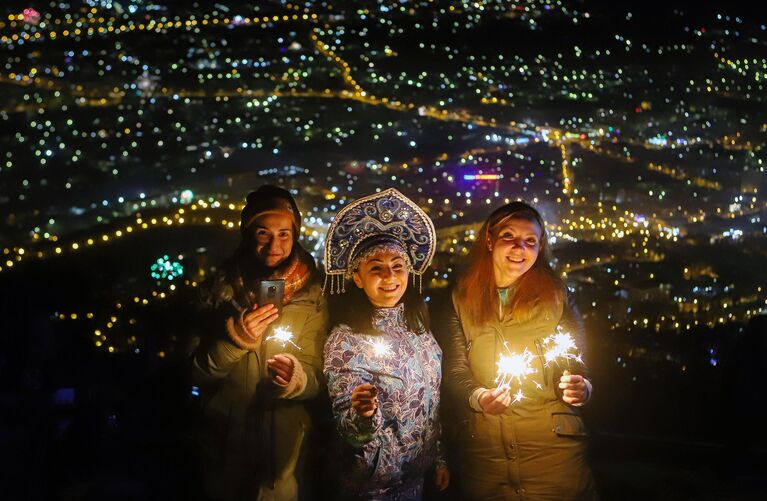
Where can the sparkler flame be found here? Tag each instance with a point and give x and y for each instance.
(380, 348)
(562, 347)
(283, 336)
(513, 366)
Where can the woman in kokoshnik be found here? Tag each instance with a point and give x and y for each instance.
(382, 364)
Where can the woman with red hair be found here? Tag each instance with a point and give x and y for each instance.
(526, 439)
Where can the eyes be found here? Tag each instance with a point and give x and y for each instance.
(508, 236)
(396, 267)
(264, 235)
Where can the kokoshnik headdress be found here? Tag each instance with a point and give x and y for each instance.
(387, 219)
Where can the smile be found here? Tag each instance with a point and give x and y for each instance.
(389, 288)
(517, 261)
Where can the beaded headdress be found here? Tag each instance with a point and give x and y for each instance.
(387, 219)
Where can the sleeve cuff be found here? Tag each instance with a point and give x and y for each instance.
(235, 329)
(366, 427)
(589, 390)
(474, 399)
(297, 383)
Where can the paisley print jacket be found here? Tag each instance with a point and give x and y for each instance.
(386, 456)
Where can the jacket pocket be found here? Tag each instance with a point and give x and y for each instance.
(484, 436)
(367, 464)
(566, 424)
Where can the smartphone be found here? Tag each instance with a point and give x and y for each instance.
(271, 292)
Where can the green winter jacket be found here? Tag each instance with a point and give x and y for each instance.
(536, 450)
(252, 431)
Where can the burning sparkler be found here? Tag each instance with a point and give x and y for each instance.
(380, 348)
(283, 336)
(514, 366)
(561, 346)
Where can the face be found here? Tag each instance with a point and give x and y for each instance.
(515, 249)
(383, 277)
(273, 237)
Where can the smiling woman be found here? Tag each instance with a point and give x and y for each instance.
(383, 276)
(273, 238)
(516, 247)
(255, 376)
(508, 302)
(382, 363)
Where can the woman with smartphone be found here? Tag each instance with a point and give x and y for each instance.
(261, 360)
(382, 364)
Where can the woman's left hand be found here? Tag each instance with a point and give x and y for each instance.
(442, 478)
(574, 390)
(281, 369)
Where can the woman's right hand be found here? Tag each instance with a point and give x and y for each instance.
(257, 319)
(495, 401)
(365, 399)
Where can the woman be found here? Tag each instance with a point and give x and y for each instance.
(524, 439)
(382, 363)
(254, 386)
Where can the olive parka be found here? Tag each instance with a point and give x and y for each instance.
(536, 449)
(253, 430)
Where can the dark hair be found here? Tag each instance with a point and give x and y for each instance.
(354, 309)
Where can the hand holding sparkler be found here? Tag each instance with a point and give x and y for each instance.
(574, 389)
(495, 401)
(281, 369)
(281, 366)
(562, 347)
(365, 399)
(512, 367)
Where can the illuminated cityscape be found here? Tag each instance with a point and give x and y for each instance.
(133, 130)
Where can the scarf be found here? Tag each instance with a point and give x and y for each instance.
(297, 271)
(296, 276)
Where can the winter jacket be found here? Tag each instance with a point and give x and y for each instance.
(385, 456)
(253, 430)
(536, 450)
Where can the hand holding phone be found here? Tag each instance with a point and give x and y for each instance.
(257, 319)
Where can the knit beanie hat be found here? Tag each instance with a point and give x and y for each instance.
(270, 199)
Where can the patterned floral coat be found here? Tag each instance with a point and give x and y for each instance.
(386, 455)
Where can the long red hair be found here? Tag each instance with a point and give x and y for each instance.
(537, 291)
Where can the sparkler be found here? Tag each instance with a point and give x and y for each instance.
(283, 336)
(380, 348)
(561, 346)
(514, 366)
(377, 359)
